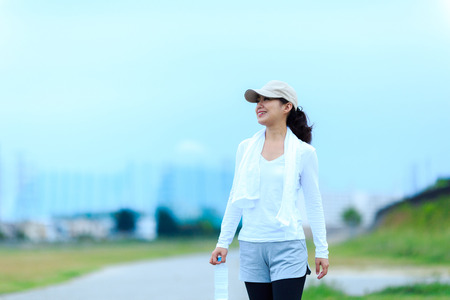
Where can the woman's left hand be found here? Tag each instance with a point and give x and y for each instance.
(324, 263)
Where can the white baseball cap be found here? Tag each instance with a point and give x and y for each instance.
(273, 89)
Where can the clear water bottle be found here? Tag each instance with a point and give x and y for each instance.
(221, 281)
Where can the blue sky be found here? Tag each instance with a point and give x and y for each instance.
(95, 85)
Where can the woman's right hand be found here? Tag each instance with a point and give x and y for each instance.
(216, 253)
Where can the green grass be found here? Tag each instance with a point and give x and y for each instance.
(434, 291)
(28, 266)
(410, 234)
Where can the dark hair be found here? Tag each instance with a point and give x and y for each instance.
(297, 121)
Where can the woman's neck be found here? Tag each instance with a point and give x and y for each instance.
(276, 132)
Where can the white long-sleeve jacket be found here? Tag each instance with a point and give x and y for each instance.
(307, 183)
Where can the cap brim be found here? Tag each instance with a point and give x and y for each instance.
(252, 95)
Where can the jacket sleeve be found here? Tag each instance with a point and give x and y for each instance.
(313, 203)
(232, 214)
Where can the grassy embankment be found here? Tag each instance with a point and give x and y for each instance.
(409, 234)
(414, 235)
(433, 291)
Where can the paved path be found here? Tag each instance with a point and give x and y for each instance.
(178, 278)
(361, 281)
(191, 277)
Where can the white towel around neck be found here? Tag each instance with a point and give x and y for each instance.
(245, 190)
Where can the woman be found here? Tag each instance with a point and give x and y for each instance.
(272, 168)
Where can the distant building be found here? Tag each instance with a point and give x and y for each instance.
(36, 231)
(146, 228)
(38, 194)
(189, 191)
(83, 227)
(8, 230)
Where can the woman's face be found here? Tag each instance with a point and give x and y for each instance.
(271, 111)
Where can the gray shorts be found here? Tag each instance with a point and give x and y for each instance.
(271, 261)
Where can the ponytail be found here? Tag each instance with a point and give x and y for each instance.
(297, 121)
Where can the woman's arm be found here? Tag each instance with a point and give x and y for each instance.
(313, 203)
(230, 222)
(230, 219)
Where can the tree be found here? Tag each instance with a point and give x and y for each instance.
(166, 223)
(126, 220)
(351, 217)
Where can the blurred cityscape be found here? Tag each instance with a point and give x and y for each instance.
(43, 205)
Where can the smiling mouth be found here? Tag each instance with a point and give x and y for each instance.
(260, 113)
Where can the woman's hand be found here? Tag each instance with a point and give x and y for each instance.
(216, 253)
(324, 263)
